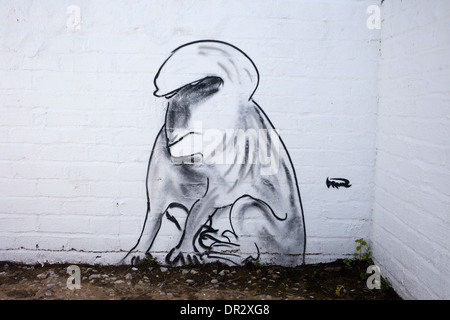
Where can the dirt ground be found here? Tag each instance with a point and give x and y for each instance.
(322, 281)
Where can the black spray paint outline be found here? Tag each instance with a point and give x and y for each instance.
(206, 230)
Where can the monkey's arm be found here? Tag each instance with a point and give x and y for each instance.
(157, 197)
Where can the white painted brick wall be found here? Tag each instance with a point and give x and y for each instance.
(410, 231)
(79, 119)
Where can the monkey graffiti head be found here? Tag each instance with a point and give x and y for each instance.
(204, 96)
(220, 182)
(196, 61)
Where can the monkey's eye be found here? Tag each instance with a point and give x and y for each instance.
(173, 93)
(195, 82)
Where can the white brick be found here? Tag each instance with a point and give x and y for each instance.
(17, 223)
(104, 226)
(31, 205)
(63, 224)
(61, 188)
(91, 206)
(15, 80)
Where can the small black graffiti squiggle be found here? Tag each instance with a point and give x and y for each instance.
(338, 182)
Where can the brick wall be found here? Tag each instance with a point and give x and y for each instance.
(410, 232)
(79, 118)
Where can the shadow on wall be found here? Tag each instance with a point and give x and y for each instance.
(220, 183)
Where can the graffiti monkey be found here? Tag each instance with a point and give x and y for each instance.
(199, 211)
